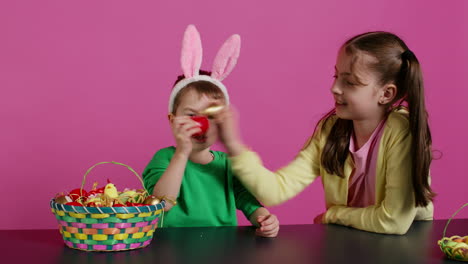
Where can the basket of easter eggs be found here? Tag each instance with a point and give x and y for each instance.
(106, 219)
(454, 247)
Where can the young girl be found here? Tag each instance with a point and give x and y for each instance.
(372, 152)
(197, 183)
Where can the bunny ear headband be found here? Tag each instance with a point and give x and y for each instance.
(191, 58)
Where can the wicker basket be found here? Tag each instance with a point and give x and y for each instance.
(454, 247)
(107, 228)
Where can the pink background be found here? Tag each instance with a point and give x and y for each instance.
(88, 81)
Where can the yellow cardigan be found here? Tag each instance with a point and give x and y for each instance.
(394, 210)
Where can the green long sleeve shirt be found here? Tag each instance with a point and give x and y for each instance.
(209, 194)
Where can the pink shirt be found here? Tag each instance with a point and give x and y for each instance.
(361, 186)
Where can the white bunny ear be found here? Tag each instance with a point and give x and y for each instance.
(226, 58)
(191, 56)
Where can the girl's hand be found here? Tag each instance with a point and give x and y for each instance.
(183, 128)
(269, 226)
(228, 130)
(319, 219)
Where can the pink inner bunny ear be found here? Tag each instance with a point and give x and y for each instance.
(226, 58)
(191, 56)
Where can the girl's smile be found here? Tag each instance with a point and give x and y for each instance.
(339, 103)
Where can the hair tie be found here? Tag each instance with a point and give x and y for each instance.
(407, 55)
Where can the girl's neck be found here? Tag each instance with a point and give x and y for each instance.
(203, 156)
(363, 130)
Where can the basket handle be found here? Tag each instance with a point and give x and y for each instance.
(450, 219)
(112, 162)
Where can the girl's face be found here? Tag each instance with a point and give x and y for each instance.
(356, 99)
(191, 104)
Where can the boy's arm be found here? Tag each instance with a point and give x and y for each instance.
(261, 211)
(163, 175)
(266, 223)
(169, 183)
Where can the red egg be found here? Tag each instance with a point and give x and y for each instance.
(96, 191)
(77, 193)
(204, 125)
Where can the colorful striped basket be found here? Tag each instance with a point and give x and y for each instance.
(107, 228)
(454, 247)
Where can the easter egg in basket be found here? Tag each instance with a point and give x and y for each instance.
(455, 247)
(152, 200)
(101, 222)
(77, 193)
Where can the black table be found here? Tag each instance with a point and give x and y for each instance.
(294, 244)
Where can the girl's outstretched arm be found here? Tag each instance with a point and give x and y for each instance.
(270, 188)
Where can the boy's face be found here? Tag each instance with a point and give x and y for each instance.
(191, 104)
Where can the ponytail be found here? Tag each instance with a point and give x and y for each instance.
(411, 83)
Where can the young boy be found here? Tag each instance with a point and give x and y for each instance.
(197, 183)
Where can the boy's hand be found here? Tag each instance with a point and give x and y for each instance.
(228, 130)
(269, 226)
(183, 128)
